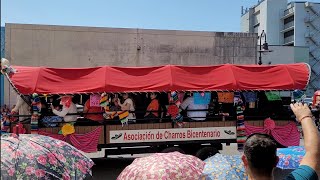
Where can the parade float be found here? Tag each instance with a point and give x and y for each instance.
(244, 99)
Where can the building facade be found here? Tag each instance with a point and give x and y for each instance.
(288, 24)
(68, 46)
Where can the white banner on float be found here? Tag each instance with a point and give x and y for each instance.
(175, 134)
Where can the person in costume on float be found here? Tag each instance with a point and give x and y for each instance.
(89, 109)
(193, 115)
(153, 107)
(128, 105)
(114, 106)
(111, 108)
(68, 107)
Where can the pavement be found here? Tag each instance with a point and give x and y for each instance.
(109, 168)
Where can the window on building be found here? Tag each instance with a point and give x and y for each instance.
(289, 33)
(289, 19)
(256, 18)
(256, 28)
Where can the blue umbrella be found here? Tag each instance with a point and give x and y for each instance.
(298, 95)
(290, 158)
(224, 167)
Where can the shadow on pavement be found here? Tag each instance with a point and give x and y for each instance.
(109, 168)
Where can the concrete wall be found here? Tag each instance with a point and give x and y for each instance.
(286, 55)
(63, 46)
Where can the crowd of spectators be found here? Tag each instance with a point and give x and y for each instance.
(5, 112)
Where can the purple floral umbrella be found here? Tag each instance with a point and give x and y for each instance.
(164, 166)
(30, 156)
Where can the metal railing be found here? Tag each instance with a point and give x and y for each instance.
(310, 18)
(211, 116)
(288, 11)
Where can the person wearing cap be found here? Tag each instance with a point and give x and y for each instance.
(260, 157)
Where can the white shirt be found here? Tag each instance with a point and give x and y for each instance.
(130, 102)
(194, 115)
(22, 108)
(65, 111)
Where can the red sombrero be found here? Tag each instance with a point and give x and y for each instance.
(317, 93)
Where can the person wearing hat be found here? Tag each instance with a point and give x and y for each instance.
(68, 107)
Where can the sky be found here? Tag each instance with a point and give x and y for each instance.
(196, 15)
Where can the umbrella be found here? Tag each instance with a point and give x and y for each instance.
(31, 156)
(224, 167)
(290, 158)
(164, 166)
